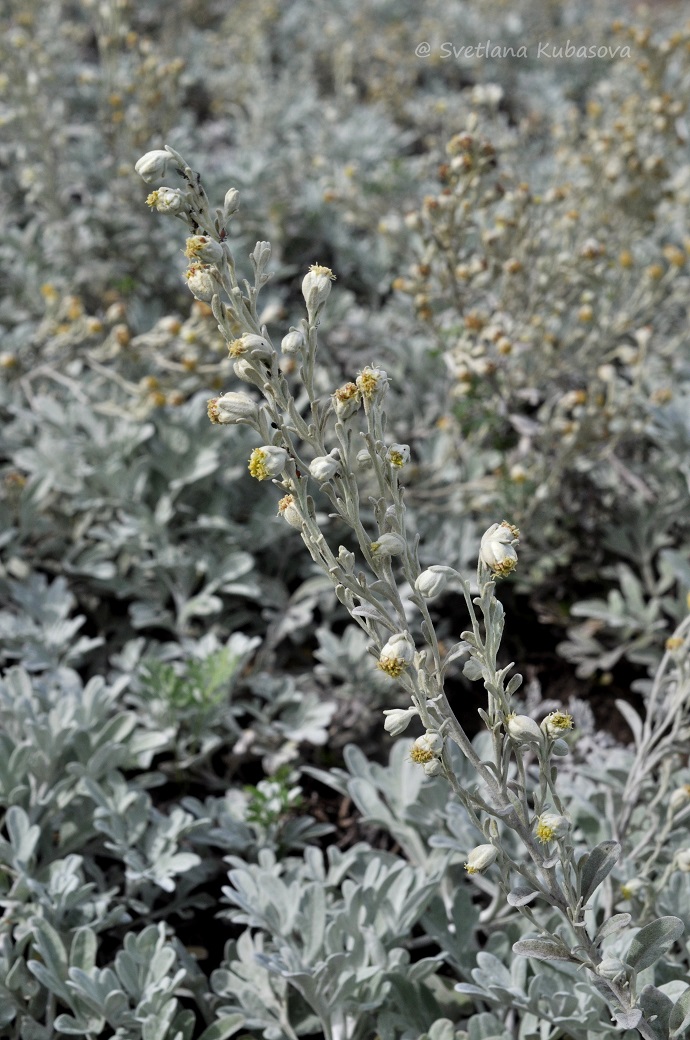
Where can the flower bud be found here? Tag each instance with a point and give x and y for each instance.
(293, 342)
(316, 287)
(432, 581)
(152, 166)
(203, 249)
(433, 767)
(201, 282)
(388, 545)
(682, 860)
(261, 254)
(396, 655)
(245, 371)
(267, 461)
(610, 968)
(497, 549)
(480, 858)
(523, 729)
(231, 203)
(631, 888)
(346, 559)
(363, 457)
(289, 512)
(679, 798)
(231, 407)
(398, 719)
(323, 467)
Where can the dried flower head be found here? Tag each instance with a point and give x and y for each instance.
(346, 400)
(372, 382)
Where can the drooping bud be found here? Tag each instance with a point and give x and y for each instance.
(432, 581)
(388, 545)
(293, 342)
(523, 729)
(398, 719)
(324, 467)
(152, 166)
(245, 371)
(231, 407)
(480, 859)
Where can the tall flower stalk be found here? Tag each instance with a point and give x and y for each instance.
(321, 447)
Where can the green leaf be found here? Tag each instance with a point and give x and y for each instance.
(223, 1027)
(632, 718)
(521, 896)
(83, 949)
(679, 1018)
(613, 924)
(628, 1019)
(597, 866)
(472, 670)
(652, 941)
(542, 949)
(23, 837)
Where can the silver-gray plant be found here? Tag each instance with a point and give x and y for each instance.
(330, 443)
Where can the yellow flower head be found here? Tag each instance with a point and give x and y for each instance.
(237, 348)
(420, 754)
(393, 666)
(557, 723)
(317, 269)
